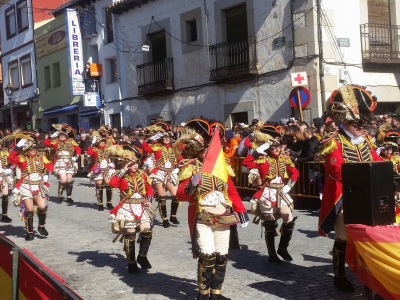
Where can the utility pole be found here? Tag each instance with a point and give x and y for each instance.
(321, 56)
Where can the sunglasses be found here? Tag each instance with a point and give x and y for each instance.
(357, 124)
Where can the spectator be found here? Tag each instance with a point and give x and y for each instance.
(152, 121)
(330, 127)
(160, 119)
(139, 127)
(372, 131)
(85, 142)
(396, 123)
(387, 117)
(373, 122)
(310, 146)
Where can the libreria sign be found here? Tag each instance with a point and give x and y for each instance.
(75, 57)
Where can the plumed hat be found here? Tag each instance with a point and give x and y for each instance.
(65, 129)
(31, 141)
(121, 152)
(190, 142)
(351, 102)
(221, 127)
(105, 129)
(200, 126)
(391, 140)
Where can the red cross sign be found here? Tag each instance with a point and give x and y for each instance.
(299, 79)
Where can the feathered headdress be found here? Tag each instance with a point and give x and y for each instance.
(65, 129)
(30, 141)
(190, 142)
(121, 153)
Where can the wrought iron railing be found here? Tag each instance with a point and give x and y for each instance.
(92, 86)
(155, 76)
(231, 59)
(380, 43)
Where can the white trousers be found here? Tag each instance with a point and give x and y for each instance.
(213, 238)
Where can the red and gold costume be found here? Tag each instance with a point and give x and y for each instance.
(278, 175)
(212, 203)
(349, 105)
(34, 169)
(134, 210)
(6, 181)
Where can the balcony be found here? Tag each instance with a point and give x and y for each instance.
(155, 76)
(233, 59)
(380, 44)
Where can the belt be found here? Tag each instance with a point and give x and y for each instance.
(275, 185)
(165, 169)
(36, 182)
(205, 217)
(134, 201)
(63, 157)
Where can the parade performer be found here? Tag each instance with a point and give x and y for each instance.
(105, 131)
(102, 170)
(164, 173)
(32, 187)
(212, 200)
(389, 151)
(134, 210)
(6, 181)
(65, 157)
(349, 106)
(271, 201)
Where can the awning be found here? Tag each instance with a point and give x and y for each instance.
(58, 109)
(92, 113)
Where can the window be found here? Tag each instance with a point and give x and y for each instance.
(109, 38)
(14, 74)
(191, 31)
(115, 121)
(236, 23)
(56, 74)
(47, 82)
(22, 16)
(112, 70)
(158, 46)
(26, 71)
(11, 29)
(378, 11)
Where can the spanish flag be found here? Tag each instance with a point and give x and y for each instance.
(214, 162)
(373, 254)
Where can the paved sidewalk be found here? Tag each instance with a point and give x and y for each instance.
(80, 249)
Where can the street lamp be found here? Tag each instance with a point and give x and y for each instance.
(9, 92)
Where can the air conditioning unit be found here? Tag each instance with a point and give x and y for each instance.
(90, 99)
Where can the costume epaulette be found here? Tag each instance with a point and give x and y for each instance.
(45, 160)
(329, 144)
(156, 147)
(73, 142)
(21, 158)
(287, 160)
(188, 167)
(261, 160)
(53, 142)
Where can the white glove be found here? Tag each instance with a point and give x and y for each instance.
(73, 158)
(175, 171)
(55, 134)
(45, 178)
(196, 178)
(379, 150)
(286, 189)
(262, 148)
(94, 140)
(21, 143)
(244, 225)
(111, 165)
(7, 171)
(156, 136)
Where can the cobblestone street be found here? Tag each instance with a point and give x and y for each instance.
(80, 249)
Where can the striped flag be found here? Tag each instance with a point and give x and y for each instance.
(214, 162)
(373, 253)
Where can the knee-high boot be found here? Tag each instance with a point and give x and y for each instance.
(109, 194)
(129, 248)
(174, 210)
(270, 233)
(29, 226)
(42, 214)
(162, 205)
(286, 236)
(145, 241)
(218, 278)
(205, 267)
(4, 207)
(100, 197)
(341, 281)
(61, 188)
(69, 186)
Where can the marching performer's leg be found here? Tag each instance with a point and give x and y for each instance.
(162, 202)
(174, 210)
(61, 188)
(69, 186)
(29, 226)
(270, 233)
(4, 206)
(341, 281)
(205, 267)
(145, 241)
(42, 214)
(286, 234)
(100, 197)
(129, 248)
(109, 194)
